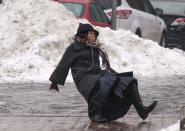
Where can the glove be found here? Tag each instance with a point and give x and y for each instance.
(54, 87)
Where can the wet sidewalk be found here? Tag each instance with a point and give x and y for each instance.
(30, 107)
(81, 123)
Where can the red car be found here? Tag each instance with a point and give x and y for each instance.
(87, 9)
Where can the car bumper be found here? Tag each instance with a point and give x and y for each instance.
(176, 37)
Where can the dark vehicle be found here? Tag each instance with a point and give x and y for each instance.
(87, 9)
(174, 17)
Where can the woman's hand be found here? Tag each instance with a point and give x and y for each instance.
(53, 88)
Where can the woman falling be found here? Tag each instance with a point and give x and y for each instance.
(109, 94)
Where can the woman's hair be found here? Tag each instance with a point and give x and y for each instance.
(81, 38)
(83, 35)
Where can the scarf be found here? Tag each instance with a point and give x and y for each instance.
(103, 54)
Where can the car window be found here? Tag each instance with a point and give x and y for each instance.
(95, 14)
(107, 4)
(103, 15)
(136, 4)
(76, 9)
(148, 7)
(169, 8)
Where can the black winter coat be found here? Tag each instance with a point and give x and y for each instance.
(105, 92)
(85, 67)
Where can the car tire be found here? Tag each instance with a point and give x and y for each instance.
(138, 33)
(163, 42)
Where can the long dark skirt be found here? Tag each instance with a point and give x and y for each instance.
(109, 98)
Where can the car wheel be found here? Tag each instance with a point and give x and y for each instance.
(163, 42)
(138, 32)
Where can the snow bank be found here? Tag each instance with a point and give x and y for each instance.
(175, 127)
(35, 33)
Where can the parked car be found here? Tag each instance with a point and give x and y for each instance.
(139, 17)
(87, 9)
(174, 17)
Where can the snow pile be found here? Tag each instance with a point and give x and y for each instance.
(144, 57)
(175, 127)
(35, 33)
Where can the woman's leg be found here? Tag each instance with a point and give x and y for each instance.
(135, 99)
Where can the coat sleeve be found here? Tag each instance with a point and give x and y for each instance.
(61, 71)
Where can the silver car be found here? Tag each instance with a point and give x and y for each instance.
(139, 17)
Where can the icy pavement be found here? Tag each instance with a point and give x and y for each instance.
(31, 102)
(34, 97)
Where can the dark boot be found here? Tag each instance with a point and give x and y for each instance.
(142, 110)
(99, 119)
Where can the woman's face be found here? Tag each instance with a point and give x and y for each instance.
(91, 37)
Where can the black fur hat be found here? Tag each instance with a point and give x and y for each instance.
(83, 28)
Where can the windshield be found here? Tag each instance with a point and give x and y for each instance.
(75, 8)
(170, 7)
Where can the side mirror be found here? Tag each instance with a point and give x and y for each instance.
(158, 12)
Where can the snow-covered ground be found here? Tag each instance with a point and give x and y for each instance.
(175, 127)
(35, 33)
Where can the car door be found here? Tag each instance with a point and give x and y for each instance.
(152, 23)
(137, 20)
(98, 16)
(105, 19)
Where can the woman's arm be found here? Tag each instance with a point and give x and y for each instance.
(61, 71)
